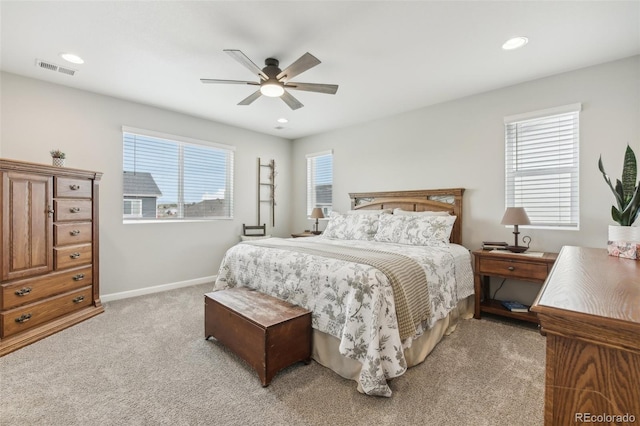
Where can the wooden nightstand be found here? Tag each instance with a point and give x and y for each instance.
(500, 264)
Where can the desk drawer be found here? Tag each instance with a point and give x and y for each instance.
(29, 316)
(513, 269)
(71, 256)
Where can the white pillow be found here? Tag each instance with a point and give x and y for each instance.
(415, 230)
(352, 226)
(401, 212)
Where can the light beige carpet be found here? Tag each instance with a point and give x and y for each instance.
(145, 362)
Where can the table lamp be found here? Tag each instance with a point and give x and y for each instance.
(515, 216)
(316, 214)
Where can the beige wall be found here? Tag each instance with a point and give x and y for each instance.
(39, 116)
(454, 144)
(461, 144)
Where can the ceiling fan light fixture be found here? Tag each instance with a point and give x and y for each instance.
(272, 90)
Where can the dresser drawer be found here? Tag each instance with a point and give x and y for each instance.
(71, 256)
(28, 316)
(68, 210)
(513, 269)
(33, 289)
(72, 233)
(72, 188)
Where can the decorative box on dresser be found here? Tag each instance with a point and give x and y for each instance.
(49, 260)
(589, 308)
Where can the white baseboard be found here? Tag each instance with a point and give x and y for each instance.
(155, 289)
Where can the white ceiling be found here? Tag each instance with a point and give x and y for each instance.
(388, 57)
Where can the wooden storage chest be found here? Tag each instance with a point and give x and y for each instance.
(268, 333)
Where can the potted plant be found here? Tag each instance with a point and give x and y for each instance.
(624, 240)
(57, 157)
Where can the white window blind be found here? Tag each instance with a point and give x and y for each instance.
(542, 166)
(320, 182)
(168, 177)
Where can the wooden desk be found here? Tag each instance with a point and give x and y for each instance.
(590, 310)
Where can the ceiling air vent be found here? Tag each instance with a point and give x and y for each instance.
(53, 67)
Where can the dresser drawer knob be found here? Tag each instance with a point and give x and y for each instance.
(23, 291)
(74, 255)
(74, 209)
(78, 277)
(74, 232)
(74, 187)
(78, 299)
(23, 318)
(511, 268)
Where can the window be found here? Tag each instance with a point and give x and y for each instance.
(168, 177)
(320, 182)
(132, 208)
(542, 166)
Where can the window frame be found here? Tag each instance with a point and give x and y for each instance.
(184, 141)
(139, 209)
(311, 203)
(572, 170)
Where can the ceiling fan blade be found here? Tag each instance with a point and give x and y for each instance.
(291, 101)
(302, 64)
(249, 99)
(242, 58)
(216, 81)
(330, 89)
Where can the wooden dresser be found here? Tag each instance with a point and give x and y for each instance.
(49, 259)
(590, 310)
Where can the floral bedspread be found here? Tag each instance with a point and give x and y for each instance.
(351, 301)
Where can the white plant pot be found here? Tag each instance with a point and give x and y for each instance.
(58, 162)
(624, 233)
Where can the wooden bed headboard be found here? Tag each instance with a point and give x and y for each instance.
(449, 200)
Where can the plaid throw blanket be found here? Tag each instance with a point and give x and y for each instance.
(408, 279)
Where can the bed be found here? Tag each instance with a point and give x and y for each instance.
(385, 282)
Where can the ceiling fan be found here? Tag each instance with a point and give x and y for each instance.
(274, 81)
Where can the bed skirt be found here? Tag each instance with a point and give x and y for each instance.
(325, 347)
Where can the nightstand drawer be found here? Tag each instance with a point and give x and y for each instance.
(513, 269)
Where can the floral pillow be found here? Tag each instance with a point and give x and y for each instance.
(352, 226)
(415, 230)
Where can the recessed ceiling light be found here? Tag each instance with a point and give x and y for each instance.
(70, 57)
(515, 43)
(282, 120)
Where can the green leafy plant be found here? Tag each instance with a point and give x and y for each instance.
(626, 191)
(56, 153)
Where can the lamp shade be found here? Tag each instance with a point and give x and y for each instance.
(316, 213)
(515, 216)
